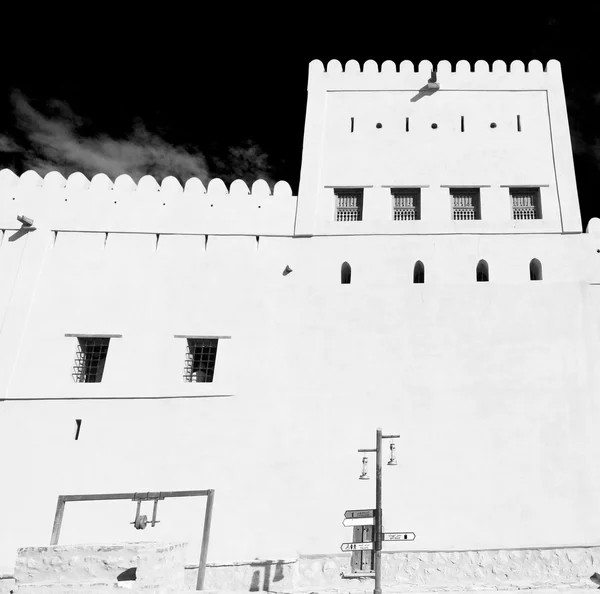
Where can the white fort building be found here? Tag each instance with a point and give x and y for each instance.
(430, 277)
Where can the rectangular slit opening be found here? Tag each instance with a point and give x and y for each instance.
(407, 126)
(462, 123)
(351, 124)
(518, 123)
(77, 428)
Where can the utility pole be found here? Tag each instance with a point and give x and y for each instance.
(378, 497)
(378, 514)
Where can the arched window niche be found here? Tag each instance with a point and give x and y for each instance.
(419, 272)
(535, 270)
(346, 273)
(483, 272)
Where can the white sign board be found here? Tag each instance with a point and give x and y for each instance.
(359, 513)
(357, 546)
(358, 521)
(398, 536)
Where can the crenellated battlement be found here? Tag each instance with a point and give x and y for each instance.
(443, 67)
(461, 75)
(147, 185)
(79, 204)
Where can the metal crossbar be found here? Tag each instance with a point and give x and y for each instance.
(349, 205)
(407, 204)
(90, 359)
(465, 204)
(200, 359)
(525, 203)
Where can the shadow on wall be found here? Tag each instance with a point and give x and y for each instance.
(18, 234)
(266, 585)
(423, 92)
(128, 575)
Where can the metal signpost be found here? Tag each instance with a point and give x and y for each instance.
(358, 517)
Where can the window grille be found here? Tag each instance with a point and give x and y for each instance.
(465, 204)
(349, 205)
(525, 203)
(90, 359)
(407, 204)
(200, 358)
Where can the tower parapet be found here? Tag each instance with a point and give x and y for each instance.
(434, 128)
(461, 76)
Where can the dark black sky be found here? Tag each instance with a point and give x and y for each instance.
(227, 86)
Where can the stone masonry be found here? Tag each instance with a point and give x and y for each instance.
(66, 569)
(160, 569)
(504, 569)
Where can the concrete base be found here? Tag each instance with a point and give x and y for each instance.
(75, 569)
(512, 569)
(7, 584)
(159, 568)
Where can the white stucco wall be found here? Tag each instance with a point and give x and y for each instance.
(491, 385)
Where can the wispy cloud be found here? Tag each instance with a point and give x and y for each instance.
(8, 145)
(241, 162)
(57, 143)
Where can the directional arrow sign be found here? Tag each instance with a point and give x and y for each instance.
(398, 536)
(357, 546)
(359, 522)
(359, 513)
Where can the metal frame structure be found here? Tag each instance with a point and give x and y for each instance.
(139, 497)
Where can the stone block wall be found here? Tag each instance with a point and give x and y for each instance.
(512, 569)
(252, 576)
(159, 568)
(7, 584)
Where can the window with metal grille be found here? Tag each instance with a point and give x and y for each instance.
(407, 204)
(90, 359)
(526, 203)
(349, 204)
(200, 358)
(465, 204)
